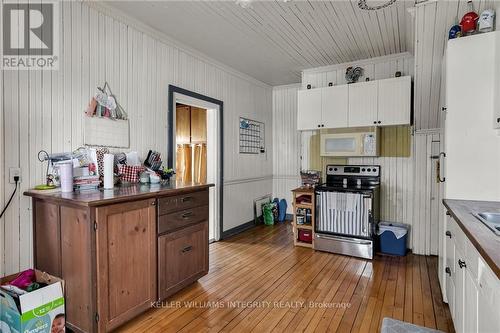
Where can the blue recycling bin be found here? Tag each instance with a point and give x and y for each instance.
(392, 238)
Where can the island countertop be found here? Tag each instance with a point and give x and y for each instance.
(120, 193)
(483, 239)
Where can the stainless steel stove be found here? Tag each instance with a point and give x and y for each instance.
(348, 210)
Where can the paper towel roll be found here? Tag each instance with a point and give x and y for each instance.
(66, 177)
(108, 170)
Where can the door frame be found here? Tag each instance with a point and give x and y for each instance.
(174, 91)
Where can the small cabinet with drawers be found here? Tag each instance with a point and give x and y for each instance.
(182, 241)
(472, 289)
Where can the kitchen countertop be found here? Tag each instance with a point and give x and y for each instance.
(485, 241)
(120, 193)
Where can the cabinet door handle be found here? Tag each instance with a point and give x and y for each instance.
(374, 122)
(186, 199)
(187, 249)
(187, 215)
(461, 263)
(379, 122)
(448, 213)
(448, 233)
(448, 271)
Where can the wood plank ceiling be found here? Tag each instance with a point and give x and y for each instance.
(274, 40)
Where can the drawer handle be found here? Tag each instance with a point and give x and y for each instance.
(448, 271)
(448, 233)
(187, 249)
(461, 263)
(187, 215)
(186, 199)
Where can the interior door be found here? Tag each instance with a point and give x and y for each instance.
(309, 109)
(363, 103)
(394, 98)
(334, 106)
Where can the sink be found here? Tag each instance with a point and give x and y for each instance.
(491, 220)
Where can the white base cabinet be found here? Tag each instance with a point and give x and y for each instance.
(472, 290)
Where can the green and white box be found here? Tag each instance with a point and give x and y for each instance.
(40, 310)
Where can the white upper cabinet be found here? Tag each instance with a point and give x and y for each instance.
(394, 100)
(334, 107)
(309, 109)
(363, 104)
(372, 103)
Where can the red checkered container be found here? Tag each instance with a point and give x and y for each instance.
(129, 174)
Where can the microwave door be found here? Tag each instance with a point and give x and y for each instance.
(340, 146)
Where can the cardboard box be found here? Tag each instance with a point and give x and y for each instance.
(39, 310)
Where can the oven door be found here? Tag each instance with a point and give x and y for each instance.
(344, 213)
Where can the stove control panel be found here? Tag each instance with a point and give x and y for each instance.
(353, 170)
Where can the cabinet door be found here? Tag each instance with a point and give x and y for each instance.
(458, 320)
(470, 306)
(334, 106)
(394, 101)
(488, 300)
(126, 261)
(183, 124)
(198, 125)
(309, 109)
(363, 104)
(182, 258)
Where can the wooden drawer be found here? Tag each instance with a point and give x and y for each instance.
(182, 258)
(180, 202)
(182, 219)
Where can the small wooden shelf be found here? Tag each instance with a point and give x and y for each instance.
(304, 226)
(300, 192)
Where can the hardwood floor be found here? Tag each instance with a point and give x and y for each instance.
(258, 281)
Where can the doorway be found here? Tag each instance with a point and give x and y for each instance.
(195, 147)
(191, 143)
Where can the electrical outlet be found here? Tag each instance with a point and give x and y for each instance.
(14, 172)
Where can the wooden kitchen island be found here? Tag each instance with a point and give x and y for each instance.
(120, 250)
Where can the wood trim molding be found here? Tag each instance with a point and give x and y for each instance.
(236, 230)
(121, 16)
(247, 180)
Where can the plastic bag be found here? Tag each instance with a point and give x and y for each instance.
(267, 213)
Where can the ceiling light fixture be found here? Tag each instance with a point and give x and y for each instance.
(362, 4)
(244, 3)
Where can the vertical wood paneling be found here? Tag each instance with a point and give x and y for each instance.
(44, 110)
(286, 143)
(432, 23)
(427, 193)
(409, 193)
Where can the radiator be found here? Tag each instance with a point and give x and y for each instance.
(344, 213)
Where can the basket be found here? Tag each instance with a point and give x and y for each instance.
(310, 178)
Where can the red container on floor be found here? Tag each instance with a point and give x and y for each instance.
(305, 236)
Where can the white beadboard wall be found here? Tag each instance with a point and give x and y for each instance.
(374, 68)
(433, 19)
(44, 110)
(409, 193)
(286, 143)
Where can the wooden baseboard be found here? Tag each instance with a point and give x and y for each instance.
(239, 229)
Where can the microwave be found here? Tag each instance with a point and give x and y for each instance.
(351, 144)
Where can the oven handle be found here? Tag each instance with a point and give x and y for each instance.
(344, 239)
